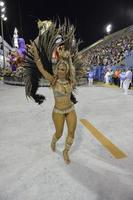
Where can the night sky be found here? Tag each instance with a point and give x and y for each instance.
(89, 17)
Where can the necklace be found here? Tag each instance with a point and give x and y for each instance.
(62, 82)
(64, 85)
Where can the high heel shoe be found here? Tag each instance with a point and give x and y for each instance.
(68, 144)
(66, 156)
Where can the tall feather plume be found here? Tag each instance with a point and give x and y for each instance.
(31, 79)
(46, 44)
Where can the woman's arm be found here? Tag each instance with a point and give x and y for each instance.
(39, 65)
(64, 54)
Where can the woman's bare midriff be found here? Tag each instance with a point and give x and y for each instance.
(63, 103)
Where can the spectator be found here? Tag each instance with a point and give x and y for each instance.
(107, 77)
(122, 77)
(127, 81)
(90, 75)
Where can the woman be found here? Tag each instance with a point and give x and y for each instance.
(62, 83)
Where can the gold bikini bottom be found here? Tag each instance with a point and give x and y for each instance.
(64, 111)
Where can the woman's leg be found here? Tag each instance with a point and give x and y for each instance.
(126, 86)
(58, 120)
(91, 81)
(71, 120)
(121, 83)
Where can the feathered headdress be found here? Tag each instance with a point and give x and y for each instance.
(51, 36)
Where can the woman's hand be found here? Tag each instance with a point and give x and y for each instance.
(62, 52)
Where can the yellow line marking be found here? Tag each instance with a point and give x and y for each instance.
(103, 140)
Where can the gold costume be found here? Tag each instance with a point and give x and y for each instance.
(62, 92)
(64, 107)
(54, 56)
(63, 110)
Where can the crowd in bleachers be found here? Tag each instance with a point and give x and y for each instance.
(110, 52)
(111, 57)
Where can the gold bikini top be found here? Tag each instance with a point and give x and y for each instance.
(62, 88)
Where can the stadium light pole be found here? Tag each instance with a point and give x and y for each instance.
(2, 18)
